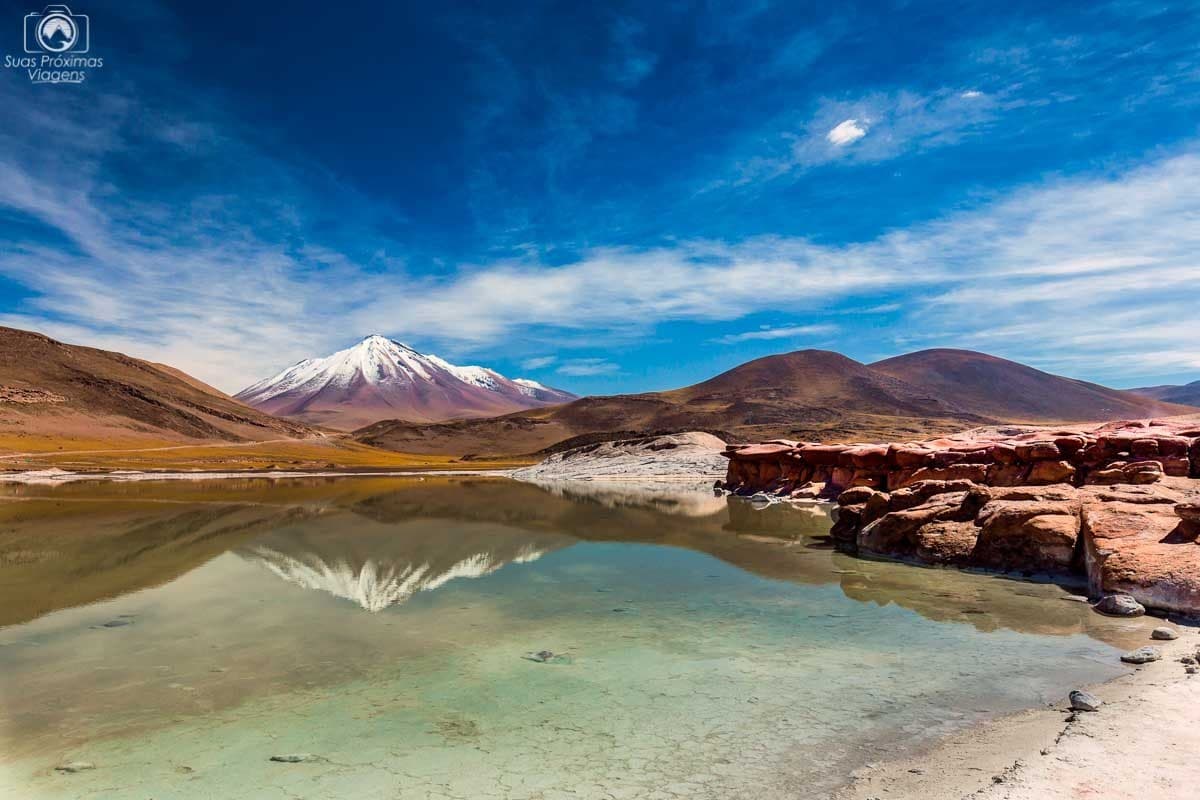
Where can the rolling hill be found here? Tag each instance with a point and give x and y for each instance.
(1188, 394)
(47, 386)
(808, 394)
(1012, 392)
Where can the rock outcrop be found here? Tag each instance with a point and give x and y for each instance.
(691, 455)
(1118, 505)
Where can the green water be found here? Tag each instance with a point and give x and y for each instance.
(179, 635)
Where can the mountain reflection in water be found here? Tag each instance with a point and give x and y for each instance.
(179, 634)
(379, 541)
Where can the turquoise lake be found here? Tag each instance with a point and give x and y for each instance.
(177, 635)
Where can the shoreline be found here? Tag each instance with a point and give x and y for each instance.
(1139, 744)
(56, 477)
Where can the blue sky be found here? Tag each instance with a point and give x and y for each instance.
(613, 196)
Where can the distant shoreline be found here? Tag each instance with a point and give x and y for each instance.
(50, 477)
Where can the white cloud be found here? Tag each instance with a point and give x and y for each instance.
(845, 132)
(583, 367)
(898, 123)
(767, 333)
(541, 362)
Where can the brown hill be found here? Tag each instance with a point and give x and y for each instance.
(807, 394)
(1188, 394)
(1011, 392)
(48, 388)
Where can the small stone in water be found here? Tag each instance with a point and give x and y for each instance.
(1084, 701)
(294, 758)
(1120, 605)
(1164, 634)
(547, 657)
(1143, 655)
(75, 766)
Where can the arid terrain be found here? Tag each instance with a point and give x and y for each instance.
(81, 408)
(813, 395)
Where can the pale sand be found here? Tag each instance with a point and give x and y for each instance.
(1143, 744)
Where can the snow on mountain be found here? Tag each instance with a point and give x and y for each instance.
(383, 379)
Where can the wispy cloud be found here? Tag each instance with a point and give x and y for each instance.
(581, 367)
(869, 129)
(766, 333)
(541, 362)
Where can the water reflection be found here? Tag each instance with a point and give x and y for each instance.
(158, 628)
(379, 542)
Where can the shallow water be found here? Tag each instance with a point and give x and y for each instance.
(178, 636)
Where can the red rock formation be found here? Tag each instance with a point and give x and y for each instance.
(1114, 503)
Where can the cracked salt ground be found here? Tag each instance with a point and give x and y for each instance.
(751, 668)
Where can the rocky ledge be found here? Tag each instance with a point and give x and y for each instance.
(1118, 505)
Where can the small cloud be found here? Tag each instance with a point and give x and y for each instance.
(971, 94)
(767, 333)
(587, 366)
(846, 132)
(538, 363)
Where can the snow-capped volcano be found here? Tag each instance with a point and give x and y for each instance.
(382, 379)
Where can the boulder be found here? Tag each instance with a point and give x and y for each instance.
(1038, 451)
(856, 495)
(1143, 655)
(1084, 701)
(1004, 453)
(894, 533)
(1175, 466)
(1189, 511)
(1027, 536)
(1007, 474)
(910, 457)
(917, 493)
(1164, 634)
(1142, 472)
(1143, 550)
(946, 542)
(1144, 448)
(976, 473)
(1047, 472)
(1119, 605)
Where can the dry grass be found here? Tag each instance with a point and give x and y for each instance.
(19, 453)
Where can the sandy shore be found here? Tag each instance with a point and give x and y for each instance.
(1141, 745)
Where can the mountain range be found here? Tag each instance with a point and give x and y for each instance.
(379, 378)
(1188, 394)
(61, 400)
(807, 394)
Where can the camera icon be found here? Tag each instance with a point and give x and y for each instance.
(56, 30)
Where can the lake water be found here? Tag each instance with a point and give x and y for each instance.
(177, 635)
